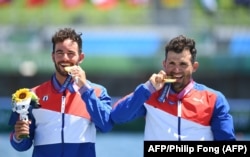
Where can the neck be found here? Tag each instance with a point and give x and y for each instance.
(60, 78)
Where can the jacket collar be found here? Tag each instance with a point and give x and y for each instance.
(68, 84)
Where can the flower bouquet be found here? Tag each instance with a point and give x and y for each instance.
(22, 100)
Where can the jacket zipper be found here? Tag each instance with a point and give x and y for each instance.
(63, 105)
(179, 119)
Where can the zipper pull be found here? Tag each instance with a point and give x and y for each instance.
(63, 104)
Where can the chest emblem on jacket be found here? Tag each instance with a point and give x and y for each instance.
(199, 100)
(45, 98)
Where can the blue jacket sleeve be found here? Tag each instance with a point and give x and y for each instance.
(222, 121)
(99, 108)
(22, 145)
(131, 106)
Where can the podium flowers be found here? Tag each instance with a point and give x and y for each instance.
(23, 100)
(24, 94)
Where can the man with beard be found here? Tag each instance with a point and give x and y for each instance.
(176, 107)
(72, 109)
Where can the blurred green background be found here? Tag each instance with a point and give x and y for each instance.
(124, 41)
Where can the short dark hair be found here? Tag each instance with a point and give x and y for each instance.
(179, 43)
(66, 33)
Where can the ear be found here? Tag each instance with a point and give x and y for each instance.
(53, 56)
(81, 57)
(164, 63)
(195, 66)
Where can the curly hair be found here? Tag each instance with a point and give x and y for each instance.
(179, 43)
(66, 33)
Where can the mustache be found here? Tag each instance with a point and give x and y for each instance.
(61, 72)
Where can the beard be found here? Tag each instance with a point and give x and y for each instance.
(177, 87)
(61, 72)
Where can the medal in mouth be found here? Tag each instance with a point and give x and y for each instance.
(169, 80)
(69, 68)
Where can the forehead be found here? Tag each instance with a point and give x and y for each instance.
(68, 43)
(185, 55)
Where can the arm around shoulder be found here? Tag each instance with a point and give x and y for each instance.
(131, 106)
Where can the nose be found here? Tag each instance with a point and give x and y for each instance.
(176, 69)
(65, 56)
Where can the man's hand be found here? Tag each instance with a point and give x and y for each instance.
(157, 80)
(21, 129)
(78, 74)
